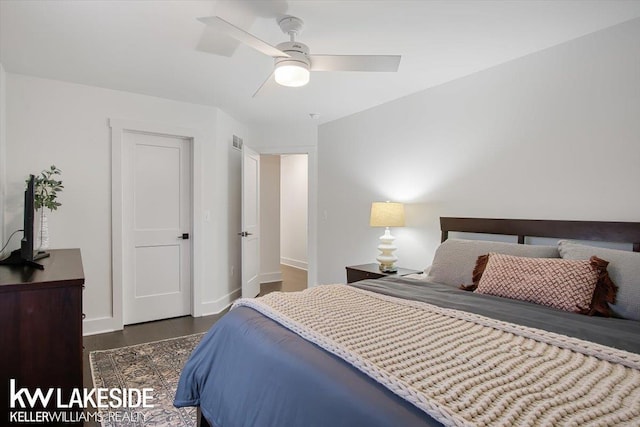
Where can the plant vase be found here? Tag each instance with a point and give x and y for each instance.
(42, 231)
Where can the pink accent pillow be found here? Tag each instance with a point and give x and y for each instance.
(567, 285)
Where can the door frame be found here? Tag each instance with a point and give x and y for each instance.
(118, 128)
(312, 202)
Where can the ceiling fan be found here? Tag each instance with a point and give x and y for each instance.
(292, 61)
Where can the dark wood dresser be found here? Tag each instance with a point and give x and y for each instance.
(41, 325)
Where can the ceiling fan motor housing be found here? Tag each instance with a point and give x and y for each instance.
(298, 54)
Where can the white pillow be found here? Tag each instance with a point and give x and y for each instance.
(455, 259)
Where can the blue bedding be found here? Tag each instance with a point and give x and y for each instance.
(250, 371)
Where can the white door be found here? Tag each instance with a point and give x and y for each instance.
(157, 211)
(250, 233)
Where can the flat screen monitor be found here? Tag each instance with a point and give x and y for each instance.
(26, 255)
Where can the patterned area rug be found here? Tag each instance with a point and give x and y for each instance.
(155, 365)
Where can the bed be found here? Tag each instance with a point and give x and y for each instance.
(261, 366)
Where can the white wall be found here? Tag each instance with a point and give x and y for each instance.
(554, 135)
(270, 219)
(304, 133)
(293, 210)
(66, 124)
(3, 127)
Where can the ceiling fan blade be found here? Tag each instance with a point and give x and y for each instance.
(239, 11)
(266, 85)
(243, 14)
(241, 35)
(388, 63)
(211, 42)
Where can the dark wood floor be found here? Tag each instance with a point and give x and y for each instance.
(293, 279)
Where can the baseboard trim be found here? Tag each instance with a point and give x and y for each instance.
(275, 276)
(108, 324)
(216, 306)
(302, 265)
(100, 325)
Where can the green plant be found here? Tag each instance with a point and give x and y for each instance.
(47, 189)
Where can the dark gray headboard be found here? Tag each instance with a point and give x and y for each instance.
(621, 232)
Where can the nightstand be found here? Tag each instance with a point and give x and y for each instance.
(356, 273)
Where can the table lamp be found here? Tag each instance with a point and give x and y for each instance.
(387, 214)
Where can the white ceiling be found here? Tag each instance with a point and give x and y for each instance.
(150, 47)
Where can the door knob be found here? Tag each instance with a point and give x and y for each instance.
(184, 236)
(244, 234)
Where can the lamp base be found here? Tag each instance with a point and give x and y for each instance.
(388, 269)
(386, 258)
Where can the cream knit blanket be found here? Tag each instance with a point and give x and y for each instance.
(464, 369)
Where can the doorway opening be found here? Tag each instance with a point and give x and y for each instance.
(284, 196)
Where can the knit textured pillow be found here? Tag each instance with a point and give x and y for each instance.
(581, 286)
(624, 269)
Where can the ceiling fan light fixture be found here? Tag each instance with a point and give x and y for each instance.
(292, 61)
(292, 73)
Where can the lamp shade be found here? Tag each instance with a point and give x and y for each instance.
(387, 214)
